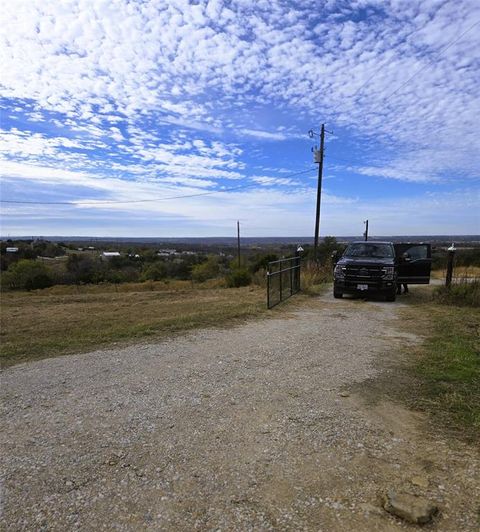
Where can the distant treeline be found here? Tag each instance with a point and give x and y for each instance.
(35, 264)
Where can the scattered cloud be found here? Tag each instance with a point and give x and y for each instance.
(145, 97)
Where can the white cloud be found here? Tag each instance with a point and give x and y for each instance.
(113, 87)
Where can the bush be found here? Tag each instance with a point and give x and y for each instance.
(154, 272)
(27, 274)
(207, 270)
(260, 262)
(83, 269)
(464, 294)
(238, 277)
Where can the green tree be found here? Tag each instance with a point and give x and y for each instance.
(84, 269)
(28, 274)
(154, 272)
(206, 270)
(239, 277)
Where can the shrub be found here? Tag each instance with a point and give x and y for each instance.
(259, 278)
(154, 272)
(238, 277)
(260, 262)
(464, 294)
(27, 274)
(207, 270)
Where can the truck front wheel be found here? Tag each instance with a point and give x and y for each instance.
(391, 296)
(337, 294)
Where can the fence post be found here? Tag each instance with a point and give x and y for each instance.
(268, 289)
(450, 257)
(280, 281)
(291, 277)
(297, 269)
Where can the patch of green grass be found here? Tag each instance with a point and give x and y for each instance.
(447, 364)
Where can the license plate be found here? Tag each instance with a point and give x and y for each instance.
(362, 286)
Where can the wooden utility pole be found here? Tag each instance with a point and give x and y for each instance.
(365, 234)
(319, 156)
(238, 242)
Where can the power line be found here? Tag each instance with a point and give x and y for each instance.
(431, 61)
(107, 202)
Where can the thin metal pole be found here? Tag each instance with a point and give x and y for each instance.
(451, 255)
(366, 230)
(268, 289)
(238, 242)
(319, 192)
(291, 280)
(280, 275)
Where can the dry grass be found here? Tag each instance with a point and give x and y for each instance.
(459, 272)
(69, 319)
(314, 277)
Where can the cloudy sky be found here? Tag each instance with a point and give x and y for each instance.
(176, 118)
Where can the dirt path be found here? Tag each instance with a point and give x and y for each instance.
(254, 428)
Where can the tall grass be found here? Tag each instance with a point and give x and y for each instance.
(464, 293)
(314, 276)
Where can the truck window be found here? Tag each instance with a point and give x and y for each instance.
(369, 249)
(416, 252)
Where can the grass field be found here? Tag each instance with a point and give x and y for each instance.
(69, 319)
(447, 364)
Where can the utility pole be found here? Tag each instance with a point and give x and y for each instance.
(365, 234)
(319, 160)
(238, 242)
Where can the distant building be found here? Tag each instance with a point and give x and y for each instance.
(12, 250)
(167, 252)
(110, 254)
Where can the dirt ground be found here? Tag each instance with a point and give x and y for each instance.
(260, 427)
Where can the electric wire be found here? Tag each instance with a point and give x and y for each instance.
(110, 202)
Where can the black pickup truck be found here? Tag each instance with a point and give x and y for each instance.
(378, 267)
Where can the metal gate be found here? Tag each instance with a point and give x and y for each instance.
(283, 280)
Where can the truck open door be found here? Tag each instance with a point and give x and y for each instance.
(414, 262)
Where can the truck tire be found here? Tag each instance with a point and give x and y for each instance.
(392, 295)
(337, 294)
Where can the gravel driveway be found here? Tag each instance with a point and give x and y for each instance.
(254, 428)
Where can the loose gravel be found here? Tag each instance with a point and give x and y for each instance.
(254, 428)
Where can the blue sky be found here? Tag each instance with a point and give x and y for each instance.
(111, 109)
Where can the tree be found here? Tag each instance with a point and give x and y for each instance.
(238, 277)
(206, 270)
(154, 272)
(28, 274)
(84, 269)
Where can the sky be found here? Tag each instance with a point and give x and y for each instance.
(175, 118)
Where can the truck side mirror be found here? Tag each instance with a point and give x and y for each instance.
(334, 257)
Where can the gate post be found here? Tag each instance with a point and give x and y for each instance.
(451, 256)
(268, 288)
(280, 275)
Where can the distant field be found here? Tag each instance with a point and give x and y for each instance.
(459, 272)
(68, 319)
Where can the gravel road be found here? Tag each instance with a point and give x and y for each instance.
(259, 427)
